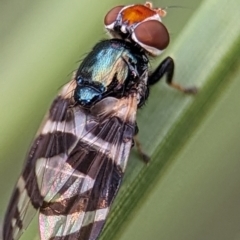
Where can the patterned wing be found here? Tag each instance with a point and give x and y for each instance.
(74, 168)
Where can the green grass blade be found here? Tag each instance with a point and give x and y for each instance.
(207, 54)
(37, 54)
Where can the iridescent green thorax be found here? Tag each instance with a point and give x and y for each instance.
(111, 68)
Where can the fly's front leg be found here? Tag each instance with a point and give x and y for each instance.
(167, 67)
(142, 154)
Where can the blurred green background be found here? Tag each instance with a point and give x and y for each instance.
(190, 190)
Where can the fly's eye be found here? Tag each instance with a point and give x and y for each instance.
(152, 35)
(111, 16)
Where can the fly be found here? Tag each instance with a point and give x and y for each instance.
(77, 161)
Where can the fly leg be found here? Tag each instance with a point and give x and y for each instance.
(141, 153)
(167, 67)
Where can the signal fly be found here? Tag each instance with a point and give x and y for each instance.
(77, 161)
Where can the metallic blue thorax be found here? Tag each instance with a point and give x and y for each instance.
(108, 70)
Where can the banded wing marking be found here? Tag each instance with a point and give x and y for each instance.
(84, 160)
(26, 198)
(79, 209)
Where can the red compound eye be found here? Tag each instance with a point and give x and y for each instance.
(111, 16)
(140, 24)
(152, 34)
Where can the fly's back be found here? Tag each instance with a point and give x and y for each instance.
(111, 69)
